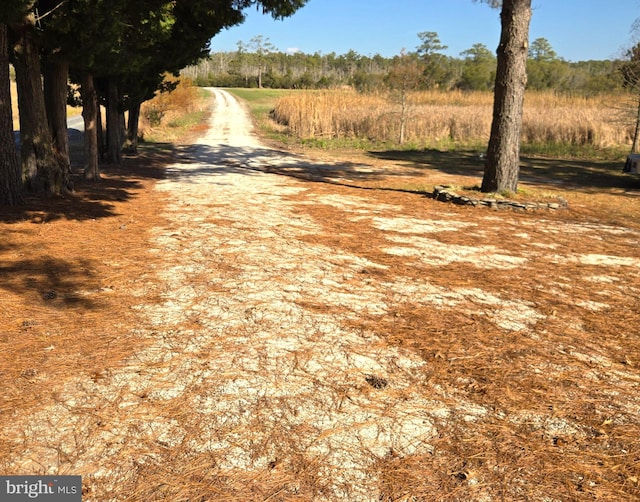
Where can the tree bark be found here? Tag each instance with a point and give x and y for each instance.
(27, 118)
(133, 127)
(114, 141)
(10, 177)
(42, 169)
(503, 154)
(122, 129)
(56, 75)
(90, 116)
(403, 115)
(636, 131)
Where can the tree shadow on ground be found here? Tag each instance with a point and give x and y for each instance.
(459, 163)
(584, 175)
(196, 161)
(92, 200)
(54, 281)
(51, 281)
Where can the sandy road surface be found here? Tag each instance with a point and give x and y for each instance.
(255, 357)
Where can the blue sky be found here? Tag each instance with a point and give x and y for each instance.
(577, 29)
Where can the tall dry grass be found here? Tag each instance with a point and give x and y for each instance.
(169, 115)
(458, 117)
(166, 107)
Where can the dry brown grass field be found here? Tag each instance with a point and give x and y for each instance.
(522, 329)
(460, 118)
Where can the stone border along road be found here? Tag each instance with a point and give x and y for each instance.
(259, 365)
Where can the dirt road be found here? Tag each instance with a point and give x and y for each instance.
(282, 354)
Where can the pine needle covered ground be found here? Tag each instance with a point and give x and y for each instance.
(224, 321)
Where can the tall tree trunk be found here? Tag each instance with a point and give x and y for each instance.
(636, 131)
(503, 154)
(27, 149)
(114, 141)
(133, 127)
(122, 129)
(41, 169)
(10, 177)
(56, 75)
(403, 115)
(91, 117)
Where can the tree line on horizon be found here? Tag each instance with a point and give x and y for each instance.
(257, 63)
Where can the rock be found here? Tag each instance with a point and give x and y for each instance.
(446, 194)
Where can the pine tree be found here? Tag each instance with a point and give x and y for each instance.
(502, 164)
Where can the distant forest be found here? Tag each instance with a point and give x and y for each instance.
(259, 64)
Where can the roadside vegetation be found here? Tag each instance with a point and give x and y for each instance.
(167, 118)
(171, 116)
(560, 126)
(554, 125)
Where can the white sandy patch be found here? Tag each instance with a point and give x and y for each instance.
(351, 203)
(592, 305)
(604, 279)
(435, 253)
(508, 314)
(596, 260)
(543, 245)
(596, 229)
(419, 226)
(606, 260)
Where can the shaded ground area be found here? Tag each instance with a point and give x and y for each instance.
(244, 324)
(587, 176)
